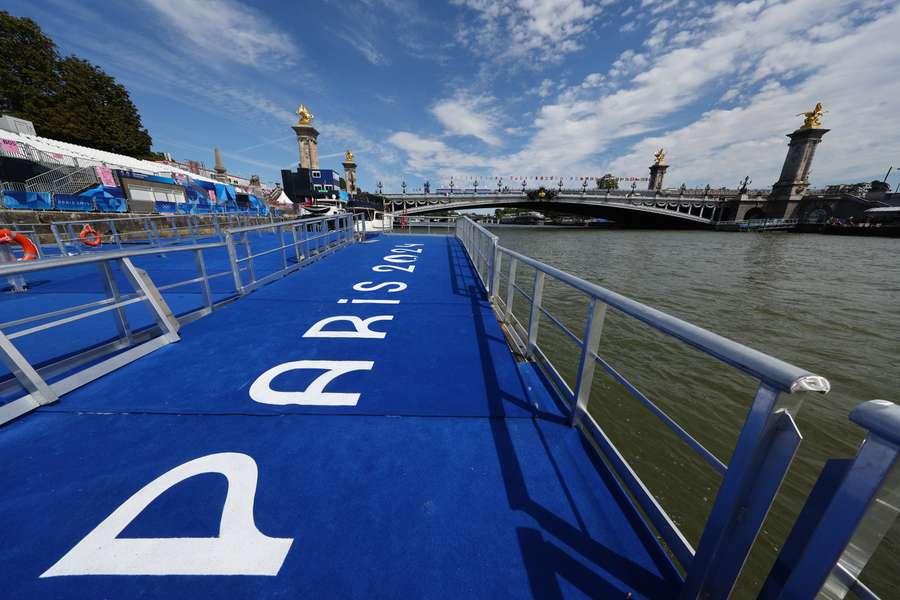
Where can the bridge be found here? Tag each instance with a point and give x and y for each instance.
(640, 209)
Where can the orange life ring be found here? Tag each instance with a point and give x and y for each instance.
(8, 237)
(88, 231)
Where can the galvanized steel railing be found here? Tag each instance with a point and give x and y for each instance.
(63, 180)
(149, 230)
(766, 444)
(127, 346)
(297, 243)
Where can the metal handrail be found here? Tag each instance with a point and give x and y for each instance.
(765, 447)
(31, 266)
(309, 240)
(787, 377)
(315, 239)
(155, 230)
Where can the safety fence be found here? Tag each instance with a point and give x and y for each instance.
(218, 272)
(416, 224)
(77, 237)
(764, 450)
(259, 259)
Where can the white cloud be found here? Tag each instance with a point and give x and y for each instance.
(366, 48)
(229, 30)
(429, 156)
(469, 116)
(537, 30)
(774, 59)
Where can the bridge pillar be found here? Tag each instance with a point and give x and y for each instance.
(350, 172)
(308, 140)
(788, 190)
(657, 172)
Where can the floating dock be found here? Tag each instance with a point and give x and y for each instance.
(333, 415)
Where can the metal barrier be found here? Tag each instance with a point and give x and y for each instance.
(851, 508)
(442, 225)
(63, 180)
(127, 346)
(297, 243)
(149, 230)
(766, 444)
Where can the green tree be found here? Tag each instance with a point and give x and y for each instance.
(66, 98)
(608, 182)
(93, 110)
(27, 67)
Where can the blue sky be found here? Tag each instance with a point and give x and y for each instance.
(481, 88)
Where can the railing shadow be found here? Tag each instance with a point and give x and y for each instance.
(554, 548)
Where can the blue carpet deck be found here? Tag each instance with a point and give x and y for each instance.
(453, 475)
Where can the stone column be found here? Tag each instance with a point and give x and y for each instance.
(788, 190)
(308, 140)
(657, 172)
(350, 176)
(221, 172)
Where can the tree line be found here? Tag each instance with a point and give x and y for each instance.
(67, 98)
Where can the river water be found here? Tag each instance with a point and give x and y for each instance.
(829, 304)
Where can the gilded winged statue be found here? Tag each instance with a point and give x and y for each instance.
(660, 157)
(348, 156)
(305, 115)
(812, 118)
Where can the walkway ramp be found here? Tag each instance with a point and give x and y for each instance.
(450, 474)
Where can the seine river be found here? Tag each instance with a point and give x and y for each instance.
(830, 304)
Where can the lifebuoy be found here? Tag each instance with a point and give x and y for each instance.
(7, 237)
(88, 231)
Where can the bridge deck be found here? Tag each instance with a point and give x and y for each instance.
(453, 474)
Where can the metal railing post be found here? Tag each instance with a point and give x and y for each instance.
(59, 241)
(72, 238)
(589, 347)
(28, 377)
(249, 256)
(296, 243)
(204, 283)
(764, 451)
(510, 289)
(494, 282)
(144, 286)
(280, 232)
(851, 508)
(112, 289)
(534, 318)
(235, 265)
(115, 233)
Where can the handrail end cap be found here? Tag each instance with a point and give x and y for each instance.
(811, 383)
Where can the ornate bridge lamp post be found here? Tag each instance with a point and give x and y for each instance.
(380, 189)
(523, 187)
(476, 187)
(451, 186)
(403, 185)
(499, 185)
(583, 187)
(560, 185)
(633, 186)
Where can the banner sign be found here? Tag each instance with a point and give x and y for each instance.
(10, 146)
(105, 175)
(549, 178)
(212, 195)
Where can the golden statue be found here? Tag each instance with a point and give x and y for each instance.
(660, 157)
(348, 156)
(305, 116)
(812, 117)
